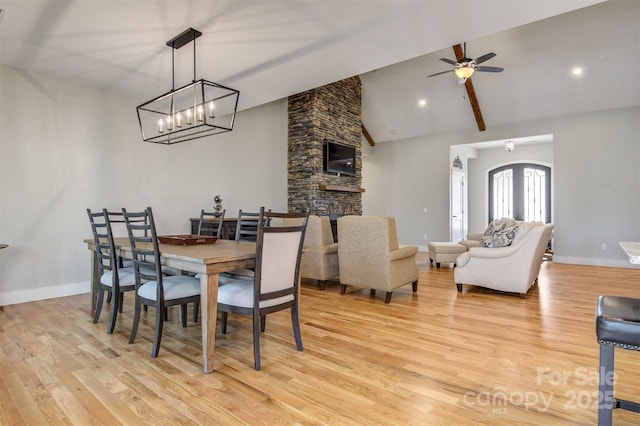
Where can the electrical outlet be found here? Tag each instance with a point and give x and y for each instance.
(425, 209)
(603, 246)
(426, 237)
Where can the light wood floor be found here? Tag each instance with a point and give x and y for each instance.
(435, 357)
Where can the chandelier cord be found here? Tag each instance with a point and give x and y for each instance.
(194, 58)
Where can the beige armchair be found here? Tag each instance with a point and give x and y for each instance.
(320, 255)
(513, 268)
(369, 255)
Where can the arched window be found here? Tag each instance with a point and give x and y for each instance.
(520, 191)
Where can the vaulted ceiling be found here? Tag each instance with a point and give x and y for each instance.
(270, 49)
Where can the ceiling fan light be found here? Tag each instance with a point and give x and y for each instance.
(463, 72)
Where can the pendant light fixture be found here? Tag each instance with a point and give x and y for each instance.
(201, 108)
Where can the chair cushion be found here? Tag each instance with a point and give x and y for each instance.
(175, 287)
(227, 277)
(618, 321)
(240, 273)
(240, 293)
(126, 276)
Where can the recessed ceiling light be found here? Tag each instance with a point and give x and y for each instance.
(422, 103)
(576, 71)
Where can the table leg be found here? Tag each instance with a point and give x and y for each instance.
(209, 311)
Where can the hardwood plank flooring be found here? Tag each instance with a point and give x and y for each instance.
(428, 358)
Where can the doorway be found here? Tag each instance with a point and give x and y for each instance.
(457, 209)
(521, 191)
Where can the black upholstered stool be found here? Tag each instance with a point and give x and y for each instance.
(617, 325)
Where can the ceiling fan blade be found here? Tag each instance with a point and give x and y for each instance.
(449, 61)
(489, 69)
(438, 73)
(485, 58)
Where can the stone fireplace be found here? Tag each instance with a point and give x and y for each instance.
(330, 112)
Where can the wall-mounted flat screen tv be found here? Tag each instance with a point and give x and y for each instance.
(339, 159)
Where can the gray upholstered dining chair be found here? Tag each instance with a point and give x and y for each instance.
(152, 287)
(277, 276)
(114, 279)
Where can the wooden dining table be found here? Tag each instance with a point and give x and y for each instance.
(208, 260)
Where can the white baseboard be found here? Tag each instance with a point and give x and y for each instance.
(593, 261)
(42, 293)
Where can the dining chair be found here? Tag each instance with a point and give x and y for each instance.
(211, 223)
(247, 226)
(277, 276)
(152, 287)
(114, 279)
(116, 218)
(246, 230)
(118, 228)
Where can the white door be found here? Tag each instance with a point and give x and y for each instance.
(457, 198)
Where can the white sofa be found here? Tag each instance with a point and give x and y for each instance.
(513, 268)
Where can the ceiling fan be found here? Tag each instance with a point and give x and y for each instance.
(465, 67)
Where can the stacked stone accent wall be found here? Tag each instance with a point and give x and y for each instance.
(331, 112)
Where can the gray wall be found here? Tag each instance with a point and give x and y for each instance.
(596, 186)
(65, 147)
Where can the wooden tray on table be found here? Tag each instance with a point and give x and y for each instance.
(187, 240)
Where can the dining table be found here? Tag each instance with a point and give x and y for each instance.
(208, 260)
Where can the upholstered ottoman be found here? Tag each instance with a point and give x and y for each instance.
(441, 252)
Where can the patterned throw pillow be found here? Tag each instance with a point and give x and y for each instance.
(495, 226)
(502, 238)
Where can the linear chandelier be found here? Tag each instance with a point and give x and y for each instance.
(198, 109)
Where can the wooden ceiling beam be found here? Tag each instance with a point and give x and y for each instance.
(367, 136)
(471, 93)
